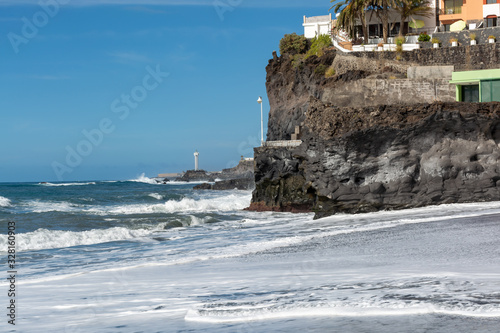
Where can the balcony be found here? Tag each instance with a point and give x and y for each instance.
(491, 10)
(450, 11)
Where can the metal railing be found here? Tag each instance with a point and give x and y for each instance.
(450, 10)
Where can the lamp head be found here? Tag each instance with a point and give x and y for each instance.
(259, 100)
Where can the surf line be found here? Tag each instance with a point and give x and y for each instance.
(11, 272)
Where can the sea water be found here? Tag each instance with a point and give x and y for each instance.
(105, 257)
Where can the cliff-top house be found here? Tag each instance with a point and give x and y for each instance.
(474, 13)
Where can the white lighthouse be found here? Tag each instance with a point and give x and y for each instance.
(196, 154)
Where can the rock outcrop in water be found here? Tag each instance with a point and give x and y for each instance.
(240, 177)
(229, 184)
(376, 157)
(244, 170)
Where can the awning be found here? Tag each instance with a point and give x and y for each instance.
(457, 26)
(416, 24)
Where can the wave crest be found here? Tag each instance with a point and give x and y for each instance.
(50, 239)
(227, 203)
(143, 179)
(156, 196)
(67, 184)
(4, 202)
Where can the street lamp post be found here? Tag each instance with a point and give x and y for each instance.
(261, 122)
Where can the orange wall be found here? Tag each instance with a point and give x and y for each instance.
(471, 10)
(474, 9)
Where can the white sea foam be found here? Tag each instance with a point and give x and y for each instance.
(50, 239)
(228, 203)
(223, 315)
(143, 179)
(231, 202)
(197, 220)
(157, 196)
(4, 202)
(37, 206)
(67, 184)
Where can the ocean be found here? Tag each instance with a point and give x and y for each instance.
(136, 256)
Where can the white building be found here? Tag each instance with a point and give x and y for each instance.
(427, 24)
(317, 25)
(196, 165)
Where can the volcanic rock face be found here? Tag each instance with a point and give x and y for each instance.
(288, 89)
(371, 156)
(362, 159)
(228, 184)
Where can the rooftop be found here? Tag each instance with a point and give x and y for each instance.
(316, 19)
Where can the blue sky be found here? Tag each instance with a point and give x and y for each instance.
(110, 89)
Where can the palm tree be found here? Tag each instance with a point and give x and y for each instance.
(351, 11)
(409, 8)
(381, 9)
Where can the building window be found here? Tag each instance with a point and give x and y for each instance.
(491, 22)
(490, 91)
(453, 6)
(470, 93)
(491, 1)
(373, 30)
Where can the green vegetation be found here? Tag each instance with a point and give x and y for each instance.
(300, 49)
(293, 44)
(318, 46)
(424, 37)
(399, 46)
(330, 72)
(298, 61)
(320, 69)
(435, 41)
(353, 11)
(472, 36)
(410, 8)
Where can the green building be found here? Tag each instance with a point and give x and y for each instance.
(477, 86)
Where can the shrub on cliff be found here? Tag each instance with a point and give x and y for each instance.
(320, 69)
(319, 44)
(293, 44)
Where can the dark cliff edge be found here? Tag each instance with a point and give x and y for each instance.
(382, 157)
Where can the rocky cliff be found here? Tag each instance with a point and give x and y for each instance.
(370, 158)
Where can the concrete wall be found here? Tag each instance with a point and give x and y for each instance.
(481, 56)
(430, 72)
(464, 36)
(373, 92)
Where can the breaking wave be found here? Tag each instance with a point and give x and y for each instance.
(51, 239)
(4, 202)
(231, 202)
(143, 179)
(67, 184)
(156, 196)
